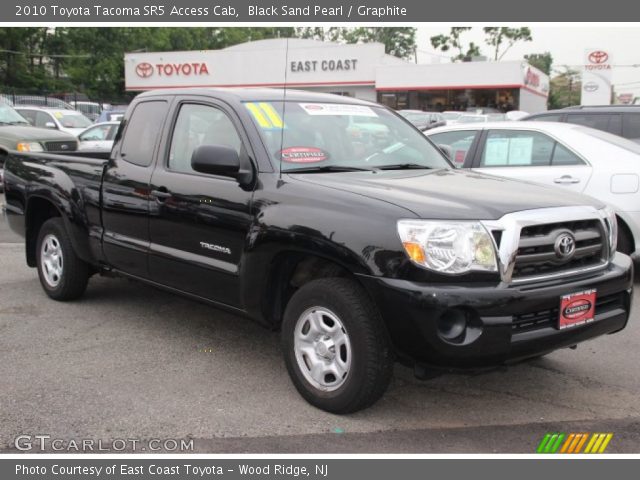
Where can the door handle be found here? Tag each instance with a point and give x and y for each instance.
(161, 194)
(566, 180)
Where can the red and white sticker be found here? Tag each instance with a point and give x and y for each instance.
(577, 309)
(338, 109)
(303, 155)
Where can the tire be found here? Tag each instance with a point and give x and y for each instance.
(62, 274)
(361, 358)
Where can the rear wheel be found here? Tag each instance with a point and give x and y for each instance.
(335, 346)
(62, 274)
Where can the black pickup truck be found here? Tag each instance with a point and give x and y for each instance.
(333, 220)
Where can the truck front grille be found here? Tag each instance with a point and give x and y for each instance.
(538, 255)
(549, 317)
(66, 146)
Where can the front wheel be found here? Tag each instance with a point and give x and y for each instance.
(62, 274)
(335, 346)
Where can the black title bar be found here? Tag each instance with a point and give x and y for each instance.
(318, 11)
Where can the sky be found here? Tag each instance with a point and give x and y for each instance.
(567, 45)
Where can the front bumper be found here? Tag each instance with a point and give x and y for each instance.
(505, 323)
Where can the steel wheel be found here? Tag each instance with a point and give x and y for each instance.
(51, 260)
(322, 348)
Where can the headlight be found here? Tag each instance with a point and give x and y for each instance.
(448, 247)
(609, 215)
(29, 147)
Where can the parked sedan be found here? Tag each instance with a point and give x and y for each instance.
(98, 137)
(70, 121)
(423, 120)
(574, 157)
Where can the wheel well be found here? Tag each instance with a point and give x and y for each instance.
(624, 228)
(288, 273)
(39, 210)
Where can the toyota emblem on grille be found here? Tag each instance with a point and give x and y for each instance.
(64, 146)
(565, 246)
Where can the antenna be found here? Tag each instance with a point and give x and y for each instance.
(284, 104)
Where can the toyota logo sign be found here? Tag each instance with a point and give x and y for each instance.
(144, 70)
(598, 57)
(565, 246)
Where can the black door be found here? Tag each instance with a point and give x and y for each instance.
(125, 190)
(199, 223)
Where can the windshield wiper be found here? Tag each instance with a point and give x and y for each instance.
(326, 168)
(403, 166)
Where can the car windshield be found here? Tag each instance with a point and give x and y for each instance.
(338, 137)
(9, 116)
(72, 119)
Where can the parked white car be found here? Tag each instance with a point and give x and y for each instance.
(98, 137)
(70, 121)
(596, 163)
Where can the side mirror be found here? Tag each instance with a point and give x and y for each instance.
(50, 125)
(216, 160)
(446, 150)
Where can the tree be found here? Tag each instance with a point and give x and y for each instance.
(453, 40)
(542, 61)
(565, 88)
(398, 41)
(497, 37)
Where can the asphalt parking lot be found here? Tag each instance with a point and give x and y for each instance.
(130, 361)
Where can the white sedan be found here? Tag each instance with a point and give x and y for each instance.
(596, 163)
(98, 137)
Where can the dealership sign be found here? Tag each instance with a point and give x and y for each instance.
(596, 77)
(146, 69)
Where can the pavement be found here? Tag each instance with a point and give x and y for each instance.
(129, 361)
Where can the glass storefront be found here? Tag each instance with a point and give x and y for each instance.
(502, 100)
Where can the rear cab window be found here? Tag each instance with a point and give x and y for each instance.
(142, 132)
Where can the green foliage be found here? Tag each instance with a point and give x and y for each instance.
(542, 61)
(91, 60)
(565, 88)
(498, 37)
(398, 41)
(454, 41)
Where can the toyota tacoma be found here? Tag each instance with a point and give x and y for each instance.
(332, 220)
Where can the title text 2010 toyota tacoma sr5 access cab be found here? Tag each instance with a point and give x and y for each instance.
(333, 220)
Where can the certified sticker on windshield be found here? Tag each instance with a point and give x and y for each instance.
(338, 109)
(303, 155)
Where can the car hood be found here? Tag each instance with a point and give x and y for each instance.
(26, 132)
(448, 194)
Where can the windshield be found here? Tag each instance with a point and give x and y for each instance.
(333, 136)
(9, 116)
(72, 119)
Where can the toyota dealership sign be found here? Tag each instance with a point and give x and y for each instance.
(596, 77)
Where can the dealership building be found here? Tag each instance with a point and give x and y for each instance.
(358, 70)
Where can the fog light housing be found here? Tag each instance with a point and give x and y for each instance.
(459, 326)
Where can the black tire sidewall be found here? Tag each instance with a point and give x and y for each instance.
(319, 294)
(55, 227)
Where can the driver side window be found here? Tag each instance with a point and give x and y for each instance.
(200, 125)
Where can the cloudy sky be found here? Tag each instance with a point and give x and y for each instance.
(567, 44)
